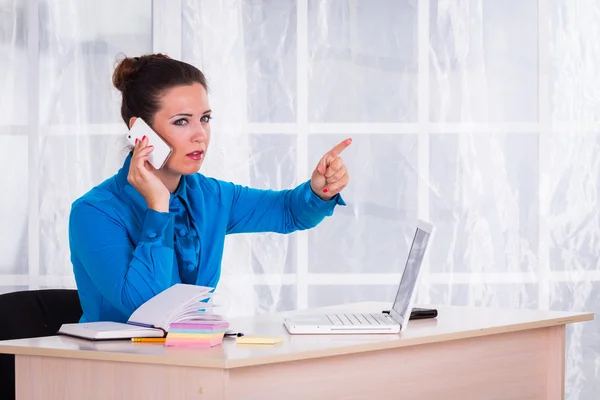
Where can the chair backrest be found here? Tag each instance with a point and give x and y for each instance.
(32, 313)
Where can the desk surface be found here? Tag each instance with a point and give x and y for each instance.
(452, 323)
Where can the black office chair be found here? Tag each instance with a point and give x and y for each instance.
(32, 313)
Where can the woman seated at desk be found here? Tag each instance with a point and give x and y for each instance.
(145, 229)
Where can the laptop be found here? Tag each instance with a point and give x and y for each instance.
(353, 322)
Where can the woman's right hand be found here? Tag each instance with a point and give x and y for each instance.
(141, 176)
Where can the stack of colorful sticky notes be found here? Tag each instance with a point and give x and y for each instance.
(196, 333)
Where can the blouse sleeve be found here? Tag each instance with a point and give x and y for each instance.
(283, 211)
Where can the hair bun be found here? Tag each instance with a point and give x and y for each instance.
(128, 67)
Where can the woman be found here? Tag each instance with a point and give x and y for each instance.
(144, 230)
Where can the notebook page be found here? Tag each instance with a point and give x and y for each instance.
(196, 309)
(162, 308)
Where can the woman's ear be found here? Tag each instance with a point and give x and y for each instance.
(131, 121)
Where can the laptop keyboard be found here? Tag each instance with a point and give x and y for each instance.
(358, 319)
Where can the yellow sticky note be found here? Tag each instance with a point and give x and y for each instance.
(252, 339)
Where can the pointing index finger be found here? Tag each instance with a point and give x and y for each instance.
(338, 148)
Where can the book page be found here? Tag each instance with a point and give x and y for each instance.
(160, 310)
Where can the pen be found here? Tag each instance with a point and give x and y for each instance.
(148, 340)
(234, 334)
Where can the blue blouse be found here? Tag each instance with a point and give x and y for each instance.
(123, 253)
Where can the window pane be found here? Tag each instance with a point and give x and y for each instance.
(270, 51)
(272, 161)
(372, 233)
(13, 63)
(362, 61)
(14, 207)
(273, 166)
(483, 61)
(574, 221)
(77, 58)
(574, 54)
(484, 202)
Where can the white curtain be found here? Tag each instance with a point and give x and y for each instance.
(477, 115)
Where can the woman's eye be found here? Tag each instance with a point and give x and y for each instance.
(181, 121)
(205, 118)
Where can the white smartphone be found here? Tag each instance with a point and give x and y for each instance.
(161, 151)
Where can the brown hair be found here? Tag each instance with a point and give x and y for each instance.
(143, 80)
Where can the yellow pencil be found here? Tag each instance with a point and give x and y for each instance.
(148, 340)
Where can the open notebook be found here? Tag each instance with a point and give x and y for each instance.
(178, 303)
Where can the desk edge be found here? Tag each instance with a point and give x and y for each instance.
(273, 359)
(444, 337)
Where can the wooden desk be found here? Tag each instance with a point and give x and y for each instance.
(466, 353)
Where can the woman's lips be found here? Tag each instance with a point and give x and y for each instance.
(196, 155)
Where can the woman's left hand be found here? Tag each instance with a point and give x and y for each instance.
(331, 176)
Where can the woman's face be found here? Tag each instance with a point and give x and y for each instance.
(183, 121)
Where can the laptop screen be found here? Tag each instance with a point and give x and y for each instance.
(407, 287)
